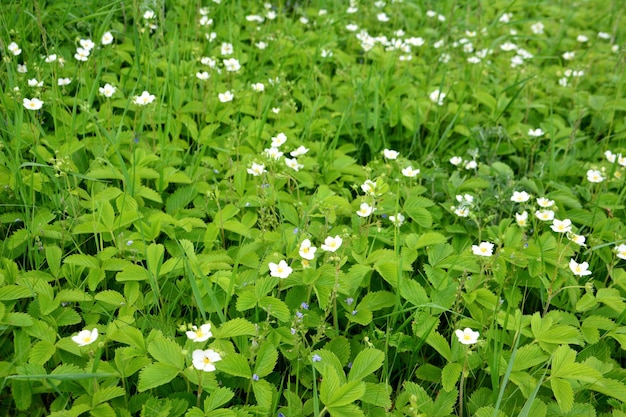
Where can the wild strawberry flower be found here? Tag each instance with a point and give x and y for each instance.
(280, 270)
(577, 239)
(232, 65)
(520, 196)
(594, 175)
(561, 226)
(202, 75)
(33, 82)
(86, 337)
(258, 87)
(273, 153)
(461, 211)
(465, 199)
(390, 154)
(256, 169)
(199, 334)
(32, 103)
(410, 172)
(544, 202)
(107, 38)
(456, 160)
(14, 48)
(471, 165)
(581, 269)
(545, 215)
(64, 81)
(307, 251)
(108, 90)
(22, 68)
(483, 249)
(226, 49)
(293, 164)
(610, 156)
(620, 251)
(82, 54)
(144, 99)
(467, 336)
(331, 244)
(51, 58)
(521, 219)
(437, 97)
(204, 360)
(369, 187)
(535, 132)
(226, 96)
(279, 140)
(365, 210)
(301, 150)
(397, 220)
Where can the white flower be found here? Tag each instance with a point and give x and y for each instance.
(21, 68)
(87, 44)
(610, 156)
(369, 187)
(300, 151)
(568, 56)
(203, 360)
(258, 87)
(520, 196)
(226, 49)
(505, 18)
(593, 175)
(398, 219)
(280, 270)
(64, 81)
(582, 38)
(577, 239)
(144, 99)
(465, 199)
(107, 38)
(604, 35)
(232, 64)
(483, 249)
(326, 53)
(108, 90)
(275, 110)
(467, 336)
(14, 48)
(471, 165)
(508, 46)
(206, 21)
(365, 210)
(382, 17)
(537, 28)
(561, 226)
(34, 83)
(431, 13)
(352, 10)
(304, 20)
(621, 160)
(352, 27)
(202, 75)
(273, 153)
(32, 104)
(522, 219)
(331, 244)
(226, 96)
(535, 132)
(293, 164)
(410, 172)
(256, 169)
(208, 61)
(437, 97)
(261, 45)
(461, 211)
(544, 202)
(148, 14)
(51, 58)
(201, 334)
(545, 215)
(86, 337)
(581, 269)
(279, 140)
(390, 154)
(563, 82)
(621, 251)
(306, 250)
(456, 160)
(81, 54)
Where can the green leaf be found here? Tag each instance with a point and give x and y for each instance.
(413, 292)
(15, 292)
(264, 393)
(266, 359)
(349, 410)
(82, 260)
(154, 258)
(167, 351)
(275, 307)
(450, 375)
(41, 352)
(330, 382)
(235, 327)
(234, 364)
(420, 215)
(105, 394)
(365, 363)
(426, 239)
(17, 319)
(132, 272)
(377, 300)
(440, 344)
(346, 394)
(377, 394)
(563, 393)
(53, 258)
(111, 297)
(155, 375)
(219, 396)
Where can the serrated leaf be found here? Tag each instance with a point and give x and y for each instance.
(132, 272)
(426, 239)
(563, 393)
(41, 352)
(235, 327)
(82, 260)
(17, 319)
(72, 296)
(377, 300)
(377, 394)
(440, 344)
(349, 410)
(346, 393)
(413, 292)
(275, 307)
(180, 198)
(264, 394)
(166, 351)
(235, 364)
(15, 292)
(155, 375)
(105, 394)
(366, 362)
(266, 359)
(111, 297)
(450, 374)
(219, 396)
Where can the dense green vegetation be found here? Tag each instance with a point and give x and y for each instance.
(400, 208)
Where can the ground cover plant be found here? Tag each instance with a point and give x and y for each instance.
(390, 208)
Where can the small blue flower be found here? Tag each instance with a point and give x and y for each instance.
(304, 306)
(316, 358)
(281, 415)
(299, 315)
(295, 231)
(354, 312)
(349, 300)
(255, 377)
(293, 331)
